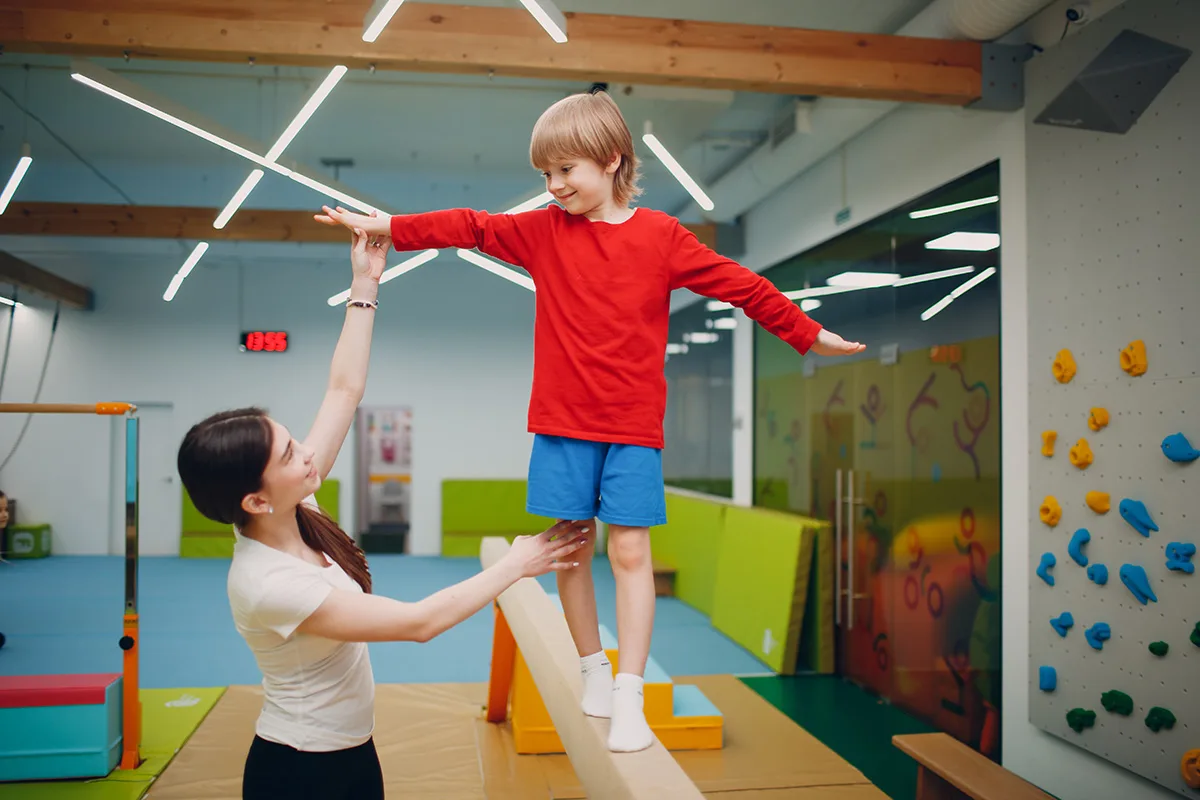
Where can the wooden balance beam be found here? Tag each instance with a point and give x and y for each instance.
(539, 629)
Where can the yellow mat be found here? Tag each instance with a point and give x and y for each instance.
(434, 744)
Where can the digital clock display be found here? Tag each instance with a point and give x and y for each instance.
(265, 341)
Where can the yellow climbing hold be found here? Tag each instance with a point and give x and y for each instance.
(1051, 511)
(1064, 366)
(1081, 454)
(1048, 440)
(1098, 418)
(1098, 502)
(1133, 358)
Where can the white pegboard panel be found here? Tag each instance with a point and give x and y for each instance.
(1114, 256)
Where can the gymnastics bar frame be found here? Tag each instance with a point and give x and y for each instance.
(526, 618)
(131, 711)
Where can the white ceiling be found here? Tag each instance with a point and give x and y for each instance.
(418, 141)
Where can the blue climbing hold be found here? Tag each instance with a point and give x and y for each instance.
(1097, 635)
(1134, 578)
(1177, 448)
(1134, 512)
(1047, 679)
(1098, 574)
(1043, 570)
(1074, 549)
(1062, 623)
(1179, 557)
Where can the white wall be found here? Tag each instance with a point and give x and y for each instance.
(1112, 258)
(908, 153)
(450, 340)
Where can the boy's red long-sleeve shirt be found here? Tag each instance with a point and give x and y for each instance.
(603, 307)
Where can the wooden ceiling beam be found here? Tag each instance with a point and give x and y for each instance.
(188, 222)
(425, 37)
(24, 275)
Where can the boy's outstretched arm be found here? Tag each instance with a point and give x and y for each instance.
(509, 237)
(707, 273)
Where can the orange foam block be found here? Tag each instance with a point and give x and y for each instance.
(680, 715)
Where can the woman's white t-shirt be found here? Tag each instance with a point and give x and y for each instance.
(318, 693)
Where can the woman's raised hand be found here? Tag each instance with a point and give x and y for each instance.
(368, 254)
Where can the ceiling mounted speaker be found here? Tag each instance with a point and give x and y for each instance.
(1116, 88)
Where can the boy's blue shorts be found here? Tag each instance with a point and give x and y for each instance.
(621, 484)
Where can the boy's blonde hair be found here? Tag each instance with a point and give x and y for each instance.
(587, 126)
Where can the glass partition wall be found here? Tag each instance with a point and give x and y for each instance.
(698, 424)
(899, 449)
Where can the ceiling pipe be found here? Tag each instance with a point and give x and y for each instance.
(835, 120)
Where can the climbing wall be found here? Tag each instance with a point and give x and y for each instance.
(1113, 268)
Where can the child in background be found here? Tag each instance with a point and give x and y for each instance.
(3, 525)
(604, 273)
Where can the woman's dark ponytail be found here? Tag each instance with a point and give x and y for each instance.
(323, 534)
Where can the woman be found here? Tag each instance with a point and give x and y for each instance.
(299, 587)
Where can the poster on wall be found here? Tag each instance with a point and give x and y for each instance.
(384, 478)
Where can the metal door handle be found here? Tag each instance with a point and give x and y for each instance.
(837, 549)
(850, 560)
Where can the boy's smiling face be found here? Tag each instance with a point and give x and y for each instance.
(580, 184)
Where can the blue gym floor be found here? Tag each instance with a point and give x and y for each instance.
(63, 615)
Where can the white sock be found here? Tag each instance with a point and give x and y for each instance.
(597, 685)
(629, 731)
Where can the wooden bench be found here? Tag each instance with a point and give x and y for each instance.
(664, 580)
(949, 770)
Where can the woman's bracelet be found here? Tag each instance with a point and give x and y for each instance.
(371, 304)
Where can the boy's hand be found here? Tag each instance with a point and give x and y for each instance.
(829, 343)
(374, 225)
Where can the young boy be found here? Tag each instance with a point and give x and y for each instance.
(604, 273)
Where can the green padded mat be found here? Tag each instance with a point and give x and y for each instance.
(817, 631)
(200, 537)
(484, 506)
(762, 583)
(192, 521)
(169, 717)
(691, 543)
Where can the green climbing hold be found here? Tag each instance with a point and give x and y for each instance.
(1117, 702)
(1159, 648)
(1079, 718)
(1196, 635)
(1160, 718)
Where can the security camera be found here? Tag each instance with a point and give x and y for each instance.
(1078, 13)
